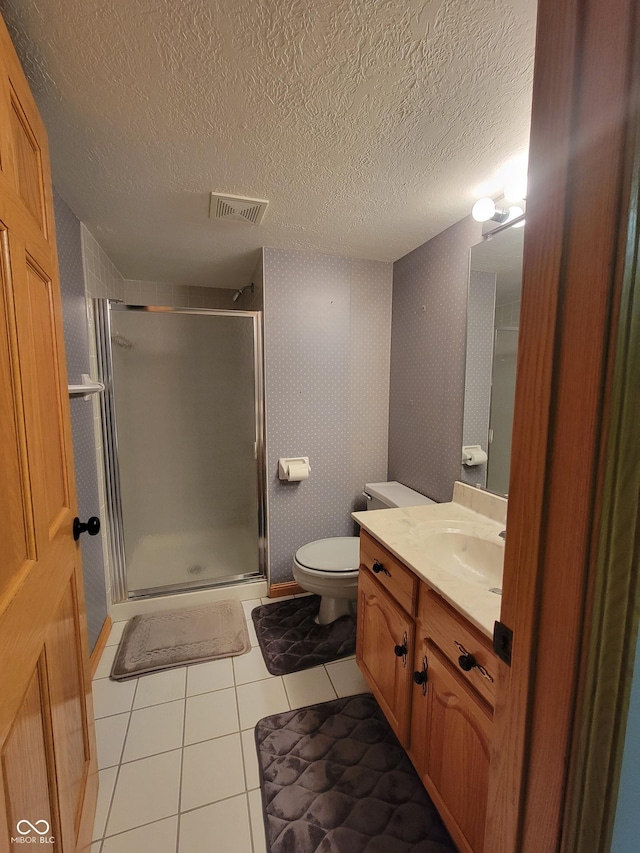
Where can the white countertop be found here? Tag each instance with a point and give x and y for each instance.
(405, 532)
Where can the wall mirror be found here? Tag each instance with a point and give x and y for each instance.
(493, 316)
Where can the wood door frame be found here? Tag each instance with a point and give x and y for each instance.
(580, 215)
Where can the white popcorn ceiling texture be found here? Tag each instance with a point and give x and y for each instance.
(366, 123)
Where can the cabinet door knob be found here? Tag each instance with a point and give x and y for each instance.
(401, 650)
(420, 675)
(378, 567)
(92, 527)
(467, 662)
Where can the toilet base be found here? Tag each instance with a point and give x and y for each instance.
(333, 608)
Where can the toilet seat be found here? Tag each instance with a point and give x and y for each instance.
(336, 555)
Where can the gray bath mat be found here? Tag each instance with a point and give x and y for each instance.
(177, 637)
(335, 779)
(290, 639)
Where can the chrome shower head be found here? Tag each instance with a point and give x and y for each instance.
(250, 287)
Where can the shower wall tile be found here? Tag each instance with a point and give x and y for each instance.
(74, 315)
(479, 361)
(183, 296)
(428, 361)
(102, 279)
(327, 324)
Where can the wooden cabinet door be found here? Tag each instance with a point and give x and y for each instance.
(456, 753)
(48, 778)
(383, 629)
(420, 698)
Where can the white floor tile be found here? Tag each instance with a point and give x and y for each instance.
(112, 697)
(260, 699)
(116, 633)
(161, 687)
(308, 687)
(106, 783)
(214, 675)
(211, 715)
(106, 660)
(211, 771)
(251, 628)
(257, 821)
(346, 677)
(250, 667)
(250, 605)
(147, 790)
(223, 827)
(250, 756)
(159, 837)
(110, 735)
(155, 729)
(95, 847)
(276, 600)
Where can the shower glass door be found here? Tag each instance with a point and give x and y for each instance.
(185, 391)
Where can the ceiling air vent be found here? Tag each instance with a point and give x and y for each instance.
(237, 208)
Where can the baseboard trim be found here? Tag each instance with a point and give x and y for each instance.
(276, 590)
(100, 645)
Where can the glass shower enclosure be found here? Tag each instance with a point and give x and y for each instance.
(183, 440)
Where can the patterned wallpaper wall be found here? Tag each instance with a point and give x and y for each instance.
(479, 361)
(327, 337)
(428, 361)
(74, 314)
(101, 280)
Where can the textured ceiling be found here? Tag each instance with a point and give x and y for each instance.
(366, 123)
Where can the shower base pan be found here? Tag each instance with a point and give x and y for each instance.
(173, 561)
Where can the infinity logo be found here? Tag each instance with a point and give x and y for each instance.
(32, 827)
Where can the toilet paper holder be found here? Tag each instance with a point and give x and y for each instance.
(473, 454)
(299, 464)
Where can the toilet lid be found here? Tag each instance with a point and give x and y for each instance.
(339, 554)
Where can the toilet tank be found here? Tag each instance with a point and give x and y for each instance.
(392, 494)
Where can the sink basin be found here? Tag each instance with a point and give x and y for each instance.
(468, 556)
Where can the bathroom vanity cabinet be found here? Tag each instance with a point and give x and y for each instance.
(433, 674)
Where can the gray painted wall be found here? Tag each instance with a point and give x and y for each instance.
(74, 315)
(428, 361)
(327, 336)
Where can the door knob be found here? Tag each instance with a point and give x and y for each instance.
(92, 527)
(467, 662)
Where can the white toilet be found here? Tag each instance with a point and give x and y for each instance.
(329, 567)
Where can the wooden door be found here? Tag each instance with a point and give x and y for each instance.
(456, 753)
(48, 783)
(383, 630)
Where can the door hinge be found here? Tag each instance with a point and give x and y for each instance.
(503, 642)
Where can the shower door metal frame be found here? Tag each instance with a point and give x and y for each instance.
(102, 309)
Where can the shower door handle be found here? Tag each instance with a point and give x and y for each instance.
(92, 527)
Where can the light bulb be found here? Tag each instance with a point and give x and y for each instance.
(483, 209)
(514, 213)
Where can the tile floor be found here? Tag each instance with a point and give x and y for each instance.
(176, 752)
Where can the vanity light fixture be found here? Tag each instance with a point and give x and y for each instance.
(485, 210)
